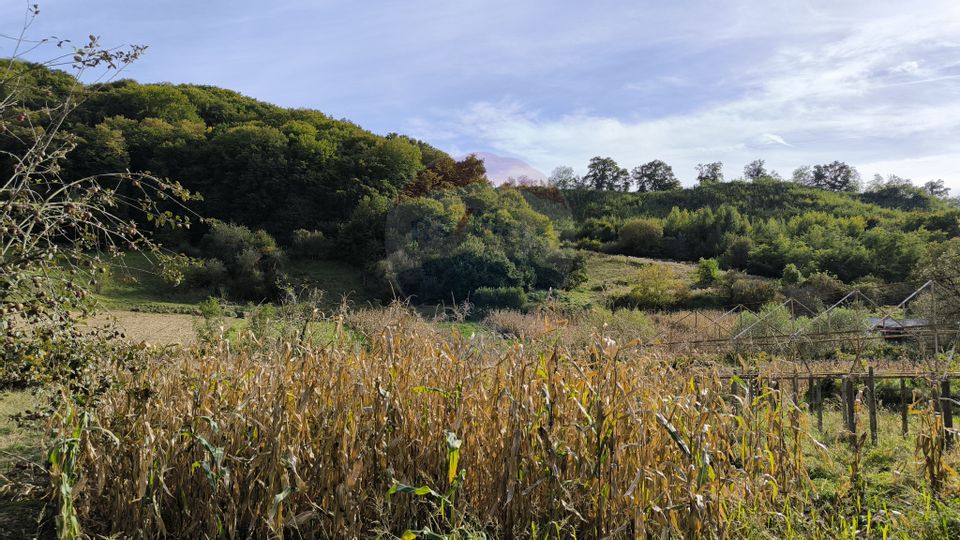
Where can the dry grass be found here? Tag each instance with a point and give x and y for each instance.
(238, 441)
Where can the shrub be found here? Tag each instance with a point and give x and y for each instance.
(603, 230)
(791, 275)
(309, 244)
(563, 269)
(708, 272)
(207, 273)
(739, 288)
(641, 237)
(251, 260)
(487, 298)
(817, 290)
(655, 288)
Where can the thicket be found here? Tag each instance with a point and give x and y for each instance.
(761, 227)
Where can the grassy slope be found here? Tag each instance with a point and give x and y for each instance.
(610, 275)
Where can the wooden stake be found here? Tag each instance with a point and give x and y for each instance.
(872, 406)
(851, 407)
(819, 405)
(947, 408)
(904, 424)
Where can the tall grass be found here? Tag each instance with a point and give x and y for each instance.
(416, 435)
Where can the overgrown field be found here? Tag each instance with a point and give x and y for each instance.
(397, 429)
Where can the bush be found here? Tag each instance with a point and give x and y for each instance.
(791, 275)
(602, 230)
(564, 269)
(251, 261)
(817, 290)
(209, 273)
(739, 288)
(309, 244)
(641, 237)
(656, 288)
(708, 272)
(488, 298)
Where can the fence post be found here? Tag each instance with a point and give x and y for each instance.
(819, 404)
(851, 408)
(872, 405)
(947, 408)
(795, 387)
(904, 424)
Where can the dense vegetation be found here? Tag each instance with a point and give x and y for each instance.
(764, 225)
(273, 178)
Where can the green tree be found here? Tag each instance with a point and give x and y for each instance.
(604, 174)
(708, 272)
(835, 176)
(755, 170)
(710, 173)
(654, 176)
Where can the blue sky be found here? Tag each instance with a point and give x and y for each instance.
(876, 84)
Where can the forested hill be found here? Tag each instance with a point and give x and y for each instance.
(762, 226)
(254, 163)
(431, 226)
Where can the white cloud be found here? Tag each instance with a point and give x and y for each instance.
(880, 94)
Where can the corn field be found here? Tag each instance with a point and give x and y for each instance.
(411, 435)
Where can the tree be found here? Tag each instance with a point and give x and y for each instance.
(755, 170)
(654, 176)
(56, 231)
(836, 176)
(708, 272)
(937, 189)
(563, 177)
(605, 175)
(710, 173)
(803, 175)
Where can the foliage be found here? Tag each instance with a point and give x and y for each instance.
(655, 288)
(309, 244)
(708, 272)
(737, 288)
(835, 176)
(446, 246)
(641, 237)
(247, 265)
(710, 173)
(604, 174)
(760, 227)
(654, 176)
(791, 275)
(487, 298)
(56, 223)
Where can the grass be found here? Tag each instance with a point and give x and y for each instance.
(336, 279)
(22, 477)
(613, 275)
(134, 283)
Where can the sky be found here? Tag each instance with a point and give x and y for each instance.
(874, 83)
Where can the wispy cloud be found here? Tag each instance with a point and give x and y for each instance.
(880, 95)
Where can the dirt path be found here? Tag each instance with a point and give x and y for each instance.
(158, 328)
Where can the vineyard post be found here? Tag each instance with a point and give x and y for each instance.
(818, 400)
(872, 405)
(850, 398)
(947, 408)
(795, 387)
(904, 425)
